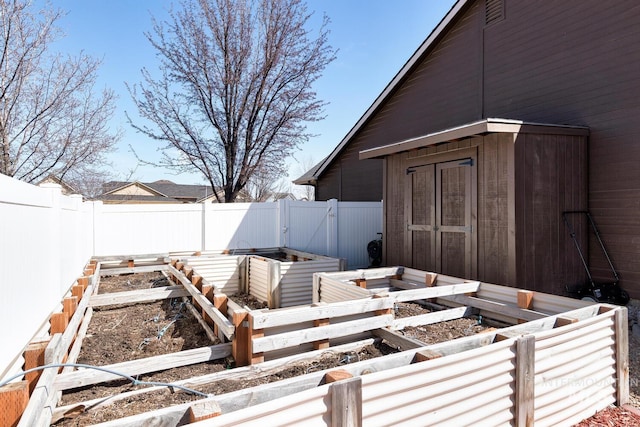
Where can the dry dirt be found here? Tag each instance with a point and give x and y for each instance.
(129, 332)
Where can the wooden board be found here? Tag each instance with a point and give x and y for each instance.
(295, 338)
(496, 307)
(286, 316)
(142, 295)
(231, 374)
(224, 325)
(430, 318)
(86, 377)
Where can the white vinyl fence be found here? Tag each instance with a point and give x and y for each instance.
(332, 228)
(46, 239)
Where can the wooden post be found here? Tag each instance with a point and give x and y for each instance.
(424, 355)
(207, 291)
(239, 346)
(179, 265)
(197, 282)
(525, 370)
(254, 333)
(69, 306)
(346, 402)
(203, 411)
(562, 321)
(384, 310)
(77, 291)
(525, 299)
(84, 282)
(621, 326)
(89, 269)
(219, 302)
(33, 357)
(131, 263)
(361, 282)
(14, 398)
(335, 376)
(317, 345)
(188, 271)
(59, 323)
(173, 263)
(430, 279)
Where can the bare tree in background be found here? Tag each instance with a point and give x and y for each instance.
(305, 192)
(51, 122)
(235, 88)
(265, 185)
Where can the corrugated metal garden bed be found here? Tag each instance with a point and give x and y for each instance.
(278, 277)
(528, 350)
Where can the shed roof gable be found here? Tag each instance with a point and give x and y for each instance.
(311, 176)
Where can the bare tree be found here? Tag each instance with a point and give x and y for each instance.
(265, 185)
(305, 192)
(235, 87)
(51, 122)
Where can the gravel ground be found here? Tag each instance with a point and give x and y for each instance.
(634, 353)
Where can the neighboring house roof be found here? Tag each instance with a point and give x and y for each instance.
(66, 188)
(155, 192)
(122, 198)
(283, 196)
(311, 177)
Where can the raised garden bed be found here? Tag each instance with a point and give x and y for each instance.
(279, 277)
(315, 358)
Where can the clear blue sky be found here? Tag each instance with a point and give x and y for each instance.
(374, 39)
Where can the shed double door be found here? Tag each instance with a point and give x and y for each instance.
(441, 216)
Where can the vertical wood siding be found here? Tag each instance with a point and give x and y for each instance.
(572, 62)
(524, 183)
(422, 104)
(494, 264)
(577, 62)
(550, 179)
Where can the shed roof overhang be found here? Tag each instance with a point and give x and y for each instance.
(480, 127)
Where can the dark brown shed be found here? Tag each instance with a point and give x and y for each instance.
(574, 62)
(484, 201)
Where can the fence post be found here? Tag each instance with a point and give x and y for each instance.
(96, 225)
(332, 228)
(203, 227)
(282, 225)
(55, 244)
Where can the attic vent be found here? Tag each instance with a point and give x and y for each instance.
(494, 11)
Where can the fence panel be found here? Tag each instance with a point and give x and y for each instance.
(240, 226)
(45, 243)
(358, 224)
(48, 238)
(129, 229)
(335, 229)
